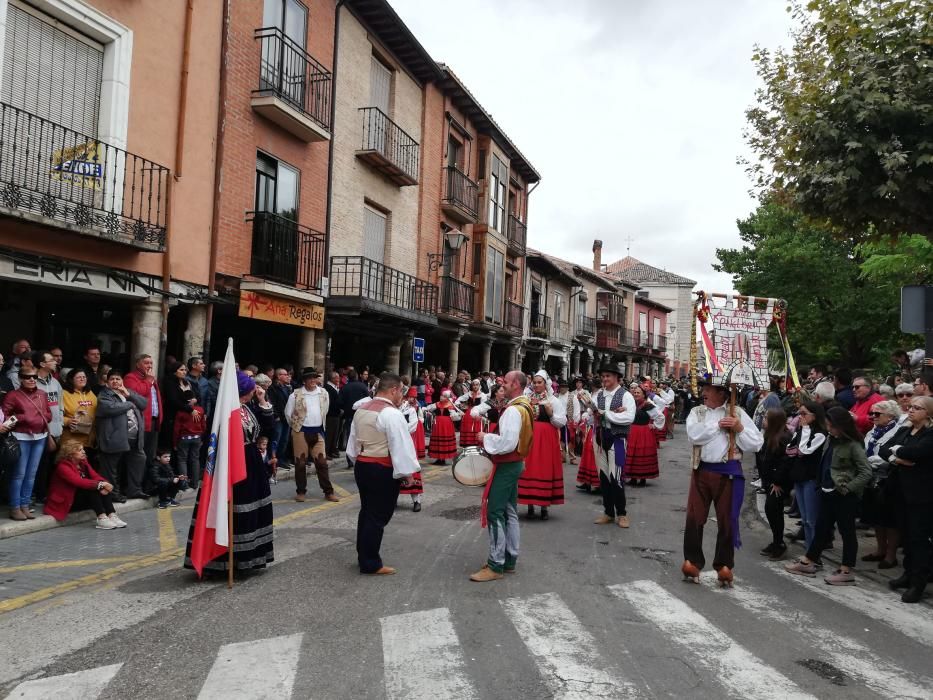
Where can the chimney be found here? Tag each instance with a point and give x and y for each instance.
(598, 255)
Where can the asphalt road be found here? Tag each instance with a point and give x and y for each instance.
(594, 611)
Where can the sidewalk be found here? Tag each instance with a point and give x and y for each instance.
(14, 528)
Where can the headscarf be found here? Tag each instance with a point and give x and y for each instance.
(547, 381)
(244, 383)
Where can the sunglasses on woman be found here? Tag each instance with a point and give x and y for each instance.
(875, 414)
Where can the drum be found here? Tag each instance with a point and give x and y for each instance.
(472, 467)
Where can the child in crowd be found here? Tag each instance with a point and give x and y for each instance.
(189, 427)
(268, 458)
(166, 480)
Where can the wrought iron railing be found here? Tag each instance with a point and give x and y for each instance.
(387, 138)
(355, 276)
(286, 252)
(514, 316)
(657, 342)
(540, 326)
(518, 234)
(586, 326)
(608, 337)
(627, 338)
(461, 191)
(457, 297)
(561, 331)
(291, 74)
(51, 171)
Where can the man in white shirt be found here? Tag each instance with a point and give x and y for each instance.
(613, 412)
(508, 449)
(305, 412)
(383, 456)
(717, 479)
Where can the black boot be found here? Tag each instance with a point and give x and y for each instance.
(531, 512)
(544, 515)
(902, 581)
(914, 593)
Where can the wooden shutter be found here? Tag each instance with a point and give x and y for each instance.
(374, 234)
(380, 85)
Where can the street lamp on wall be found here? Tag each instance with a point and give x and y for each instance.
(453, 241)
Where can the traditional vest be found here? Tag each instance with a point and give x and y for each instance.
(301, 410)
(523, 406)
(617, 401)
(373, 443)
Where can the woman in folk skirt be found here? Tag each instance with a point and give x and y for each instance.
(469, 426)
(641, 453)
(542, 482)
(491, 409)
(415, 417)
(588, 473)
(443, 444)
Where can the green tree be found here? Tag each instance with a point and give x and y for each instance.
(842, 128)
(835, 314)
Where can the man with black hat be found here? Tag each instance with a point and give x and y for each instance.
(719, 437)
(613, 412)
(306, 411)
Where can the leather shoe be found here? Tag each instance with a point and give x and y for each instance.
(18, 514)
(332, 497)
(913, 594)
(416, 508)
(603, 520)
(300, 497)
(884, 564)
(485, 574)
(117, 497)
(381, 571)
(902, 581)
(622, 521)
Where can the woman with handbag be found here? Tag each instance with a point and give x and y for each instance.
(30, 407)
(80, 408)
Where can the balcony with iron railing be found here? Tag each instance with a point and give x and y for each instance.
(540, 326)
(561, 332)
(285, 252)
(387, 148)
(518, 236)
(514, 316)
(457, 298)
(586, 326)
(358, 284)
(608, 337)
(294, 90)
(461, 196)
(55, 176)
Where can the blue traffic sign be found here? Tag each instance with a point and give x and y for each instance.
(417, 350)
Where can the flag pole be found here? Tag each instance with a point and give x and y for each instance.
(230, 548)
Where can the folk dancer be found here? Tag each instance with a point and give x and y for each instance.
(252, 500)
(415, 418)
(580, 421)
(666, 393)
(613, 412)
(507, 449)
(566, 433)
(469, 426)
(542, 482)
(443, 444)
(588, 473)
(384, 461)
(717, 479)
(306, 411)
(491, 409)
(641, 450)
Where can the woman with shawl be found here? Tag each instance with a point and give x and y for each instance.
(542, 482)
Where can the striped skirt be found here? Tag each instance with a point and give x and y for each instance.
(542, 482)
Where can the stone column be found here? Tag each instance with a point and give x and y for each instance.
(405, 365)
(306, 342)
(393, 355)
(147, 330)
(575, 362)
(453, 360)
(320, 352)
(195, 331)
(629, 367)
(487, 356)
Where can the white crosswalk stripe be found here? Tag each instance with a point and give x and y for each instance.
(83, 685)
(915, 621)
(423, 658)
(743, 673)
(858, 660)
(263, 669)
(566, 654)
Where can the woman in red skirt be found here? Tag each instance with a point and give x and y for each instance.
(470, 426)
(641, 452)
(415, 417)
(542, 482)
(443, 444)
(588, 473)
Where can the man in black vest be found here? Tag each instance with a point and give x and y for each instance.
(613, 412)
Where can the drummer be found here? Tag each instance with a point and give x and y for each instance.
(500, 500)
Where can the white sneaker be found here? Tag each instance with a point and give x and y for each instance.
(116, 521)
(105, 524)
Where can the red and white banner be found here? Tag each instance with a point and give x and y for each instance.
(226, 465)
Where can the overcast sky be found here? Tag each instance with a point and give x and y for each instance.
(631, 110)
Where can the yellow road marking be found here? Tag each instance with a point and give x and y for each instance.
(67, 563)
(168, 539)
(163, 556)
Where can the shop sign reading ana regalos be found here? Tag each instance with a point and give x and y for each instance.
(268, 308)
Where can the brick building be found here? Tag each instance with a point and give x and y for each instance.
(107, 126)
(271, 201)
